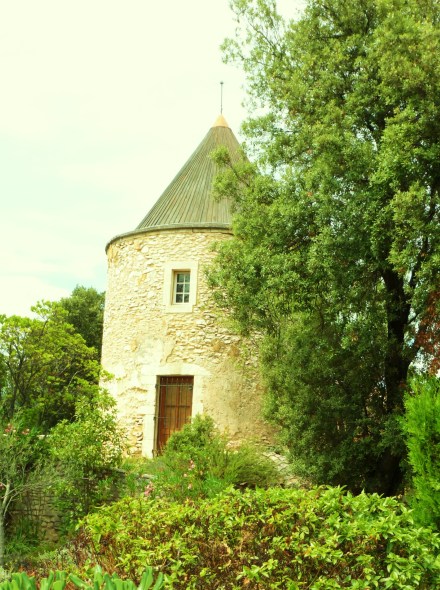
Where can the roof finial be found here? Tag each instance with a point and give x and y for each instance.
(221, 98)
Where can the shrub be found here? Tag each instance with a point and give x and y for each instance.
(85, 454)
(421, 426)
(197, 462)
(266, 539)
(195, 437)
(135, 471)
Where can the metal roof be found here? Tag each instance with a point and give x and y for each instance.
(188, 200)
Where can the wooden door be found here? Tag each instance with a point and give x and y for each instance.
(174, 406)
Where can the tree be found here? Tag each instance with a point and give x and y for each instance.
(421, 426)
(44, 367)
(85, 311)
(20, 451)
(336, 248)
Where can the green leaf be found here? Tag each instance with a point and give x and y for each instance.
(77, 581)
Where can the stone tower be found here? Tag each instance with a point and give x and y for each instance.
(169, 353)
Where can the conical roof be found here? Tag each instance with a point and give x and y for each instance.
(188, 201)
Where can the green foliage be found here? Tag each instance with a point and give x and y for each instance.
(275, 538)
(194, 438)
(197, 462)
(421, 425)
(86, 454)
(45, 367)
(85, 311)
(101, 581)
(336, 238)
(21, 581)
(136, 470)
(21, 451)
(45, 559)
(24, 538)
(317, 392)
(4, 575)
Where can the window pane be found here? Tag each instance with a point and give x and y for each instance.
(182, 287)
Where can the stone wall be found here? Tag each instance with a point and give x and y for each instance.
(36, 513)
(145, 337)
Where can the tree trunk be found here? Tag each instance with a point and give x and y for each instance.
(2, 539)
(396, 364)
(396, 374)
(389, 474)
(3, 511)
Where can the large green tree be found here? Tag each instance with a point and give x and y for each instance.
(85, 311)
(45, 367)
(336, 245)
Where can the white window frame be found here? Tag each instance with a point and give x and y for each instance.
(169, 289)
(185, 293)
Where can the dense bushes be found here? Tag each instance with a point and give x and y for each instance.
(206, 522)
(422, 428)
(275, 538)
(198, 462)
(86, 454)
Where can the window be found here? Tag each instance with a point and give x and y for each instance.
(181, 286)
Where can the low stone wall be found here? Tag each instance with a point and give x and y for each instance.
(35, 514)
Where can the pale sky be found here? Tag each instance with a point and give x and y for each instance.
(101, 103)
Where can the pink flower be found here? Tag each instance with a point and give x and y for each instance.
(148, 489)
(190, 486)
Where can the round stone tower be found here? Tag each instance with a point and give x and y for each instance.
(165, 345)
